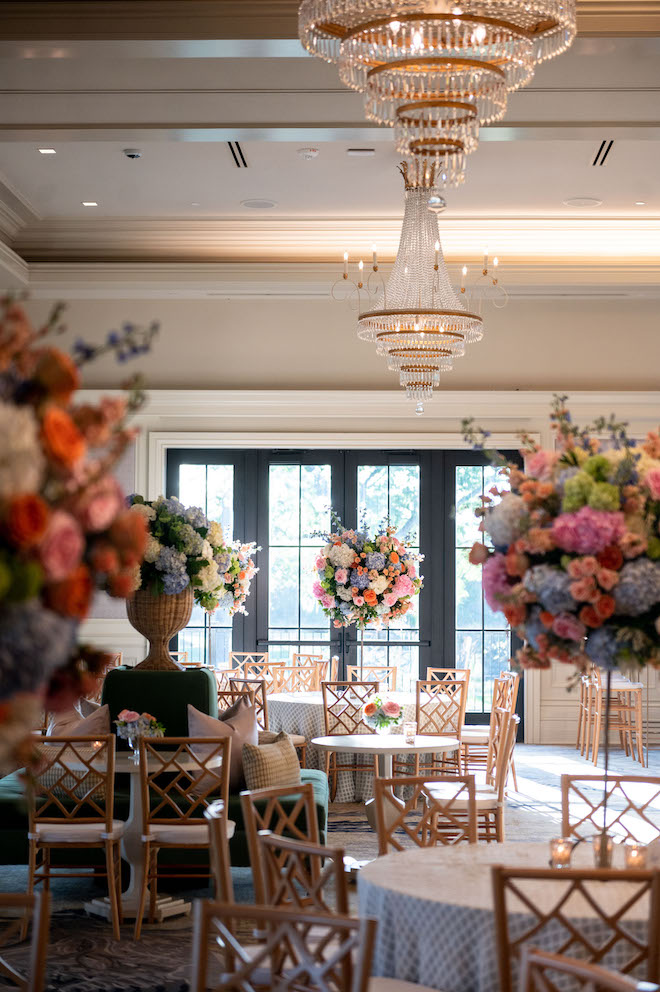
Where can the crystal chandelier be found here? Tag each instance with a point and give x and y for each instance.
(415, 319)
(435, 70)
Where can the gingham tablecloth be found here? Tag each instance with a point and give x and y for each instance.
(302, 713)
(435, 918)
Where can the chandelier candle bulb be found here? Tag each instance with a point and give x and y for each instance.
(345, 265)
(360, 271)
(464, 273)
(437, 256)
(485, 261)
(374, 258)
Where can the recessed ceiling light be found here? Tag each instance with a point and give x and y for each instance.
(640, 203)
(194, 203)
(89, 203)
(361, 152)
(259, 204)
(583, 201)
(47, 151)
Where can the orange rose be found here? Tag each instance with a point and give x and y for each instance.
(129, 532)
(369, 709)
(589, 617)
(605, 607)
(515, 614)
(27, 518)
(63, 441)
(394, 558)
(72, 596)
(57, 374)
(370, 597)
(123, 584)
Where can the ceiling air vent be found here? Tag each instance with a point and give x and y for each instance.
(603, 152)
(237, 155)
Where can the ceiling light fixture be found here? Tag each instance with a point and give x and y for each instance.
(640, 203)
(89, 203)
(433, 72)
(259, 204)
(47, 151)
(583, 201)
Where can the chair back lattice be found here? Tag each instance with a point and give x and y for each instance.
(300, 951)
(500, 751)
(542, 971)
(227, 697)
(447, 674)
(385, 675)
(181, 776)
(181, 658)
(343, 703)
(219, 857)
(36, 906)
(283, 810)
(311, 660)
(513, 678)
(296, 678)
(259, 696)
(633, 806)
(74, 780)
(425, 819)
(440, 706)
(299, 875)
(599, 915)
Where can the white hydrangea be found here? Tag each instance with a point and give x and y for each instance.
(209, 577)
(507, 520)
(207, 551)
(215, 534)
(380, 584)
(344, 592)
(341, 556)
(192, 542)
(21, 458)
(154, 548)
(145, 511)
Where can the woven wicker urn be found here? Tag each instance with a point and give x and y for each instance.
(159, 618)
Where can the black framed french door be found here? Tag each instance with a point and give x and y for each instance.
(282, 499)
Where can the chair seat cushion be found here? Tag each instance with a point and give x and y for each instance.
(196, 832)
(71, 832)
(475, 735)
(395, 985)
(485, 798)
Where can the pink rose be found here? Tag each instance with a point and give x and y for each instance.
(607, 578)
(584, 590)
(358, 600)
(318, 590)
(540, 464)
(341, 576)
(99, 506)
(391, 709)
(328, 601)
(569, 627)
(412, 571)
(62, 546)
(320, 562)
(390, 599)
(652, 482)
(128, 716)
(403, 586)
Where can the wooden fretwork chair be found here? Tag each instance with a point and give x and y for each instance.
(440, 674)
(258, 688)
(625, 715)
(227, 697)
(219, 857)
(301, 951)
(440, 710)
(296, 678)
(543, 971)
(385, 675)
(247, 665)
(582, 912)
(71, 807)
(343, 703)
(180, 777)
(633, 806)
(299, 875)
(425, 819)
(475, 739)
(32, 908)
(264, 809)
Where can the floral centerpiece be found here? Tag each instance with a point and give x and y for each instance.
(575, 564)
(186, 560)
(382, 714)
(132, 725)
(64, 527)
(363, 579)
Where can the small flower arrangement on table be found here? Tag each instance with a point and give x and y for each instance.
(132, 725)
(382, 714)
(186, 548)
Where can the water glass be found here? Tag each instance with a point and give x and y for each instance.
(410, 731)
(560, 852)
(635, 855)
(134, 744)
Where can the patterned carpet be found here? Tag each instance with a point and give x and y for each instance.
(84, 958)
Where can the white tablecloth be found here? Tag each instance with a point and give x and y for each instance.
(434, 912)
(302, 713)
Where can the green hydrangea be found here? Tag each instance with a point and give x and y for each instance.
(576, 492)
(604, 496)
(653, 548)
(329, 571)
(598, 467)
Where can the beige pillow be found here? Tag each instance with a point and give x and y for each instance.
(87, 707)
(239, 722)
(70, 723)
(271, 764)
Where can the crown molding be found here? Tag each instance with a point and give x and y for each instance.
(549, 241)
(15, 210)
(42, 20)
(13, 269)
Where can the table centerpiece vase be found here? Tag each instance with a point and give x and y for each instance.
(158, 618)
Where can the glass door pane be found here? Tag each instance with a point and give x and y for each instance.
(483, 638)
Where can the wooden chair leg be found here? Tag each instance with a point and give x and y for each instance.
(32, 864)
(639, 728)
(302, 748)
(334, 775)
(595, 740)
(153, 884)
(143, 892)
(112, 887)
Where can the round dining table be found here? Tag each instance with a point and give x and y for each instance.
(384, 747)
(434, 907)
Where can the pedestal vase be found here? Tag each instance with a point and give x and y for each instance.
(159, 618)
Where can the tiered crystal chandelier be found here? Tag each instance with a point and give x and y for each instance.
(436, 70)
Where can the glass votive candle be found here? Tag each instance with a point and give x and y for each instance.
(97, 744)
(410, 731)
(603, 854)
(635, 855)
(560, 852)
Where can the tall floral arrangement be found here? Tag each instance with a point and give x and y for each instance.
(365, 579)
(575, 563)
(185, 548)
(64, 527)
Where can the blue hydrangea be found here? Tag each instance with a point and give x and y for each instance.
(34, 642)
(375, 559)
(534, 627)
(551, 587)
(603, 647)
(360, 538)
(171, 560)
(196, 517)
(360, 581)
(223, 562)
(192, 541)
(345, 608)
(638, 588)
(175, 582)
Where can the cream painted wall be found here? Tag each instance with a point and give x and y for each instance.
(542, 343)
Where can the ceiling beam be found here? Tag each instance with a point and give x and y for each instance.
(57, 20)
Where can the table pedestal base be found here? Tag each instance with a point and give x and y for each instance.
(165, 906)
(384, 771)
